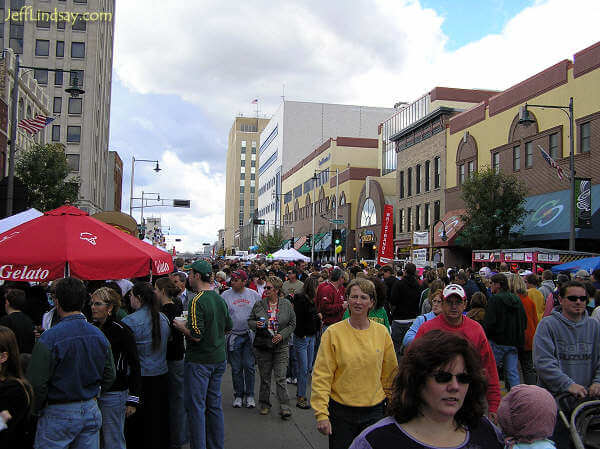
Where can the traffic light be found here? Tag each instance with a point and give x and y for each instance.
(336, 236)
(258, 221)
(309, 239)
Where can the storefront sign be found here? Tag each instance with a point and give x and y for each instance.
(324, 159)
(583, 202)
(386, 248)
(421, 238)
(544, 257)
(419, 257)
(367, 236)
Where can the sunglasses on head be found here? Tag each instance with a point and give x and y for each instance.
(443, 377)
(574, 298)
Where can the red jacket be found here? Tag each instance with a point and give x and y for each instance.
(330, 302)
(473, 332)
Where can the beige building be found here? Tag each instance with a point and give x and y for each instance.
(241, 181)
(83, 43)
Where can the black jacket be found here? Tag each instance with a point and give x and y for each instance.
(307, 320)
(127, 361)
(405, 298)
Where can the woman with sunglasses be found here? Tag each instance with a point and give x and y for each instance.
(122, 399)
(273, 319)
(354, 370)
(438, 399)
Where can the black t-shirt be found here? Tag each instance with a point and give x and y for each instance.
(175, 346)
(22, 326)
(14, 399)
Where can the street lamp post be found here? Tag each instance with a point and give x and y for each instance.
(444, 237)
(524, 118)
(133, 161)
(74, 90)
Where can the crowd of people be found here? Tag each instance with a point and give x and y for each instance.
(382, 355)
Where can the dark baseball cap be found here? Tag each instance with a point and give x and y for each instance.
(201, 266)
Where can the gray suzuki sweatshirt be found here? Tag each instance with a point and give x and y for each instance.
(240, 305)
(566, 352)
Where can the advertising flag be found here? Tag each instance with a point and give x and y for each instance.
(583, 202)
(386, 246)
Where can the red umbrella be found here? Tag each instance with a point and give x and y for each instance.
(68, 241)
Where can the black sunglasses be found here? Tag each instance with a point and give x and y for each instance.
(268, 287)
(574, 298)
(443, 377)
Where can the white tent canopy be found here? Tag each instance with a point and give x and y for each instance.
(289, 255)
(18, 219)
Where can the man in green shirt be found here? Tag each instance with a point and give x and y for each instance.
(205, 359)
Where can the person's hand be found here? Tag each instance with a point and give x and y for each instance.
(324, 427)
(5, 415)
(179, 325)
(577, 390)
(130, 410)
(594, 390)
(493, 417)
(277, 338)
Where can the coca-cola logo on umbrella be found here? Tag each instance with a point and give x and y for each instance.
(88, 237)
(161, 267)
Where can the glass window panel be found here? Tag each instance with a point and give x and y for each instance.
(77, 49)
(57, 107)
(42, 47)
(60, 49)
(75, 105)
(74, 134)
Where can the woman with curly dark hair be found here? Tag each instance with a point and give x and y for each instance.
(438, 399)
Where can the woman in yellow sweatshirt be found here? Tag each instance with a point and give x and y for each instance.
(354, 370)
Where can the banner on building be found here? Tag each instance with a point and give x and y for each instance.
(386, 246)
(583, 202)
(419, 257)
(421, 238)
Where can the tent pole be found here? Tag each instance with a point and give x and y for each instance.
(151, 271)
(67, 271)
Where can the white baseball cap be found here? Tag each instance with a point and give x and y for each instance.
(454, 289)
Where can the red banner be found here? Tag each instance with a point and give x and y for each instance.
(386, 241)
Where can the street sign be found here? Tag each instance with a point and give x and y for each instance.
(337, 221)
(181, 203)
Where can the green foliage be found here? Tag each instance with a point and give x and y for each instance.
(494, 203)
(44, 170)
(269, 243)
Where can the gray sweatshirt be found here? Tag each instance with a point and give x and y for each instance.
(546, 288)
(566, 352)
(240, 305)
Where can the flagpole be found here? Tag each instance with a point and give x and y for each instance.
(572, 167)
(10, 187)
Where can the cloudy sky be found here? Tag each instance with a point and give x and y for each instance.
(184, 69)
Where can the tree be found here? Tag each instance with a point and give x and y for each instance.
(269, 243)
(44, 171)
(494, 203)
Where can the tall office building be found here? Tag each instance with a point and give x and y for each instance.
(42, 35)
(241, 174)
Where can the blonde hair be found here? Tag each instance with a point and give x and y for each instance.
(517, 285)
(109, 297)
(365, 285)
(275, 282)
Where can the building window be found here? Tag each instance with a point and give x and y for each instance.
(401, 220)
(252, 163)
(529, 155)
(427, 175)
(41, 76)
(461, 174)
(42, 47)
(517, 158)
(402, 184)
(58, 78)
(252, 169)
(252, 182)
(418, 217)
(243, 157)
(252, 175)
(471, 168)
(408, 212)
(496, 162)
(241, 202)
(242, 175)
(242, 169)
(584, 140)
(409, 182)
(75, 106)
(60, 24)
(243, 146)
(436, 211)
(253, 157)
(55, 133)
(436, 174)
(77, 49)
(43, 19)
(254, 147)
(16, 44)
(60, 50)
(79, 24)
(57, 107)
(243, 162)
(74, 134)
(242, 189)
(418, 179)
(553, 147)
(73, 162)
(79, 74)
(242, 182)
(426, 215)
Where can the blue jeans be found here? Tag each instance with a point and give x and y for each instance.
(304, 353)
(75, 425)
(203, 404)
(177, 417)
(292, 369)
(241, 358)
(112, 407)
(508, 356)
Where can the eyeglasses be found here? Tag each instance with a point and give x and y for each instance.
(99, 303)
(574, 298)
(268, 287)
(443, 377)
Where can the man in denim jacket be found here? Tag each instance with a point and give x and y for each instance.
(69, 366)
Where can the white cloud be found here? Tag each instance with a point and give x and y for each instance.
(220, 55)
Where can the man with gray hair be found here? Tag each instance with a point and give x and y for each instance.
(180, 278)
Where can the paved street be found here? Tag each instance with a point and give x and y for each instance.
(245, 428)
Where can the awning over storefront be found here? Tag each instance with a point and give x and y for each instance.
(548, 217)
(453, 225)
(306, 247)
(286, 244)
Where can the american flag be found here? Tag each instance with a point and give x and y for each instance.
(552, 163)
(255, 101)
(32, 126)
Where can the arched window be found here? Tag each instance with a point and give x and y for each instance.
(343, 199)
(466, 158)
(368, 216)
(520, 131)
